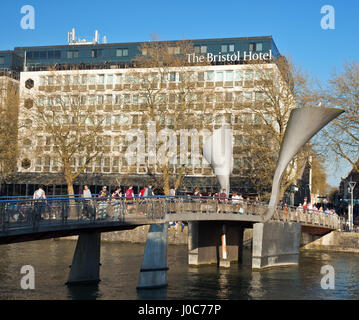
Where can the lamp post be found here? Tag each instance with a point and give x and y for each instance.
(350, 215)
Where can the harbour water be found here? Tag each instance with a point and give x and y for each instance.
(121, 263)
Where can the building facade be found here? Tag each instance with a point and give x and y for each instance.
(103, 81)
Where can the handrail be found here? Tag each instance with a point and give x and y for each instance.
(22, 213)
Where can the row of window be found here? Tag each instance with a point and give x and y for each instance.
(140, 99)
(70, 54)
(126, 119)
(123, 52)
(218, 76)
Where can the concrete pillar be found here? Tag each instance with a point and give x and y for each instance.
(214, 242)
(203, 243)
(224, 261)
(85, 266)
(275, 244)
(153, 273)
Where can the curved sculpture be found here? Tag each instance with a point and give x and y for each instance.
(218, 151)
(302, 125)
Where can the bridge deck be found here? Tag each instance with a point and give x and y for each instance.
(26, 220)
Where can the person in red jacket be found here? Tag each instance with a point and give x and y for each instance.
(129, 193)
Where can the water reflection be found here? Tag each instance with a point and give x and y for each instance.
(223, 284)
(84, 292)
(121, 263)
(256, 290)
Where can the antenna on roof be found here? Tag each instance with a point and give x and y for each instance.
(71, 38)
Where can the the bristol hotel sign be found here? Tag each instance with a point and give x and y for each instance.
(229, 57)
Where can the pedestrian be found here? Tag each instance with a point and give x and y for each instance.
(222, 200)
(142, 191)
(129, 194)
(149, 192)
(102, 211)
(235, 201)
(87, 205)
(39, 205)
(117, 194)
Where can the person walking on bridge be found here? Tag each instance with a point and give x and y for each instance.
(102, 206)
(39, 205)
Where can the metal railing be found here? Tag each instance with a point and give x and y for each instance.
(62, 211)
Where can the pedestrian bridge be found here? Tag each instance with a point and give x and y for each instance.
(28, 219)
(215, 230)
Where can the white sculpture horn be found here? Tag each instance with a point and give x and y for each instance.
(218, 151)
(302, 125)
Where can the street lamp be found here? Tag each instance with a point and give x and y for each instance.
(351, 211)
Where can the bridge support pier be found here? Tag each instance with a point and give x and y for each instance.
(85, 266)
(153, 273)
(214, 242)
(275, 244)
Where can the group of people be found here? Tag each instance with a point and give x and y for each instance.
(116, 196)
(314, 208)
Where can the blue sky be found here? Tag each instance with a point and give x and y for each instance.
(294, 25)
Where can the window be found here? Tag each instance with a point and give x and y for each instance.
(259, 96)
(200, 76)
(255, 46)
(92, 79)
(204, 49)
(109, 99)
(210, 76)
(219, 76)
(92, 100)
(173, 76)
(248, 75)
(75, 80)
(95, 53)
(248, 96)
(84, 79)
(135, 99)
(238, 75)
(229, 96)
(229, 75)
(118, 99)
(2, 60)
(50, 80)
(239, 96)
(122, 52)
(118, 78)
(109, 79)
(72, 54)
(197, 49)
(174, 50)
(101, 79)
(227, 48)
(224, 48)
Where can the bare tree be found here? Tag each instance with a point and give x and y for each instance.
(279, 88)
(9, 98)
(341, 137)
(71, 126)
(169, 93)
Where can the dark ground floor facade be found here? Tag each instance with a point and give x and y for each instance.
(24, 184)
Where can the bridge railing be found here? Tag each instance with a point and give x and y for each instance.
(313, 218)
(15, 214)
(20, 213)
